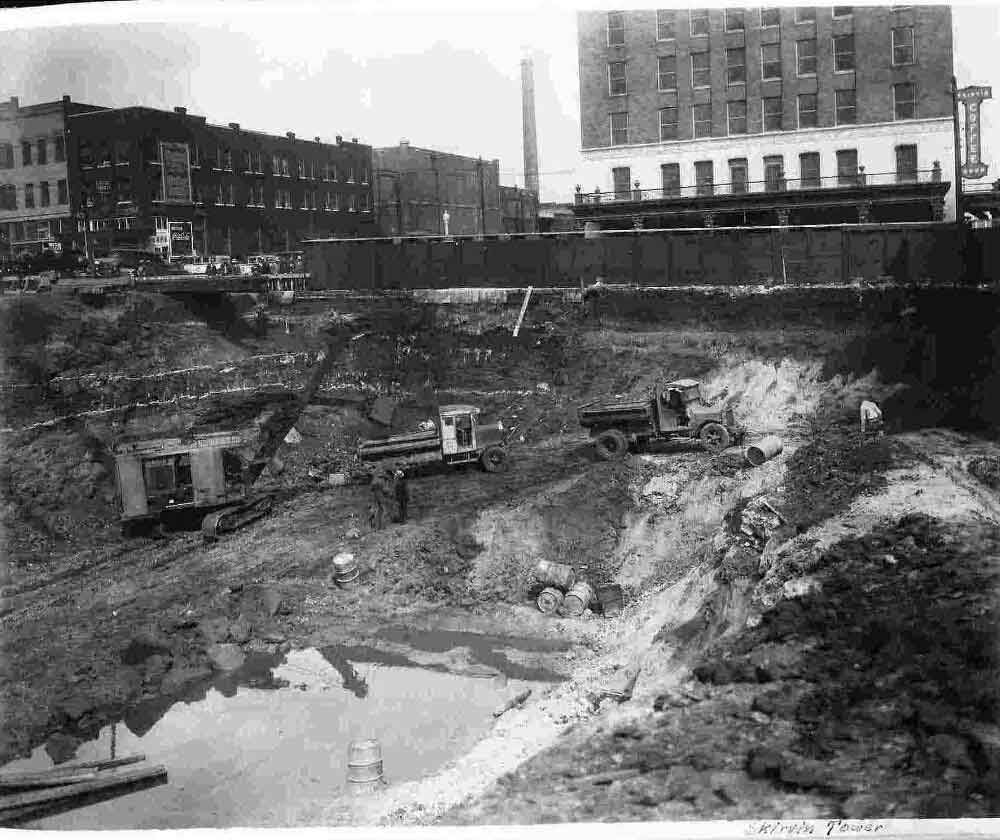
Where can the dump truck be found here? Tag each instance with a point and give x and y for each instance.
(457, 437)
(211, 474)
(671, 410)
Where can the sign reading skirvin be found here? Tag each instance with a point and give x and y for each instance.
(176, 168)
(181, 239)
(972, 98)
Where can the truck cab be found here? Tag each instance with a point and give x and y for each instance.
(674, 401)
(462, 436)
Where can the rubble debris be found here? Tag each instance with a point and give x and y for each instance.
(559, 575)
(294, 437)
(578, 599)
(226, 656)
(986, 469)
(550, 600)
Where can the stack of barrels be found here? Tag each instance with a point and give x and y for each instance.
(565, 595)
(345, 570)
(364, 766)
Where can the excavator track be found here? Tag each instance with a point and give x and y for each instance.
(233, 518)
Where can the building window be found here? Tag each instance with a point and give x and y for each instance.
(619, 129)
(8, 197)
(620, 178)
(847, 167)
(770, 61)
(350, 175)
(734, 20)
(702, 118)
(772, 113)
(670, 177)
(902, 45)
(666, 24)
(62, 191)
(843, 11)
(805, 55)
(25, 153)
(846, 107)
(302, 168)
(6, 156)
(736, 66)
(809, 170)
(617, 85)
(666, 72)
(336, 202)
(906, 163)
(231, 195)
(352, 200)
(256, 162)
(699, 21)
(258, 195)
(703, 177)
(226, 159)
(701, 70)
(807, 110)
(43, 151)
(805, 14)
(364, 174)
(29, 195)
(770, 16)
(738, 180)
(774, 173)
(276, 164)
(737, 117)
(43, 194)
(904, 96)
(60, 148)
(668, 123)
(124, 190)
(616, 29)
(843, 52)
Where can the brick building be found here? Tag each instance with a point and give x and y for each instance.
(35, 197)
(518, 210)
(766, 115)
(173, 182)
(415, 187)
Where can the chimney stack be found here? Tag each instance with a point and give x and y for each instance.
(339, 139)
(290, 135)
(316, 140)
(179, 110)
(234, 126)
(528, 121)
(14, 104)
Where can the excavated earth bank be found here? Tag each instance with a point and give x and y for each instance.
(789, 657)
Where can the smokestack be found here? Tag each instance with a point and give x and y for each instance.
(528, 120)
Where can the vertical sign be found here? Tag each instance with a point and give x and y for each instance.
(181, 239)
(972, 98)
(176, 168)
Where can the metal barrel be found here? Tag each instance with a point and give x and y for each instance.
(549, 600)
(555, 574)
(610, 599)
(345, 570)
(364, 765)
(579, 597)
(763, 450)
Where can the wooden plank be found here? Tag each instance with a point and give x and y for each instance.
(12, 779)
(53, 780)
(103, 782)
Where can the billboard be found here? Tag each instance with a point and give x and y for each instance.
(176, 166)
(181, 239)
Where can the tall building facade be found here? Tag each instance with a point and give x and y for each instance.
(415, 187)
(172, 182)
(36, 202)
(765, 115)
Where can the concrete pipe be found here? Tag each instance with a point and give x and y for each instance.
(763, 450)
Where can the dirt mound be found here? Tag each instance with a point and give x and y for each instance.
(987, 470)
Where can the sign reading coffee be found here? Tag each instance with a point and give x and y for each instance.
(972, 98)
(176, 173)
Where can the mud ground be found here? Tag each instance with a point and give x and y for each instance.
(785, 667)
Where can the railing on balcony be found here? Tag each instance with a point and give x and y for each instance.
(772, 184)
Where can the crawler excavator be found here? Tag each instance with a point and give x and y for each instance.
(210, 472)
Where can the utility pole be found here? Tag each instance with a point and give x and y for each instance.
(482, 198)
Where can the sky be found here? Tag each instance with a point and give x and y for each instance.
(443, 74)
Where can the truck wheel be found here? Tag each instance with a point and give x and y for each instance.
(611, 444)
(714, 437)
(493, 459)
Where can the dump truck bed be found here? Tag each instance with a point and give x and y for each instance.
(614, 411)
(412, 443)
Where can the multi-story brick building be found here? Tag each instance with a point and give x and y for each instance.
(766, 115)
(518, 210)
(415, 187)
(173, 182)
(36, 210)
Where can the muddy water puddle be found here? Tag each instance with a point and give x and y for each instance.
(267, 745)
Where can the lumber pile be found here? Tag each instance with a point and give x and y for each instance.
(32, 794)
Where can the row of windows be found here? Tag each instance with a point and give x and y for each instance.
(775, 178)
(36, 231)
(226, 194)
(668, 21)
(220, 158)
(8, 195)
(772, 114)
(34, 152)
(806, 53)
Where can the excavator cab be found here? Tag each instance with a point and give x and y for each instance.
(458, 429)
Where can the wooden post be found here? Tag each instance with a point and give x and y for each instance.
(524, 308)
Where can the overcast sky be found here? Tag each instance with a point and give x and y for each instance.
(440, 73)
